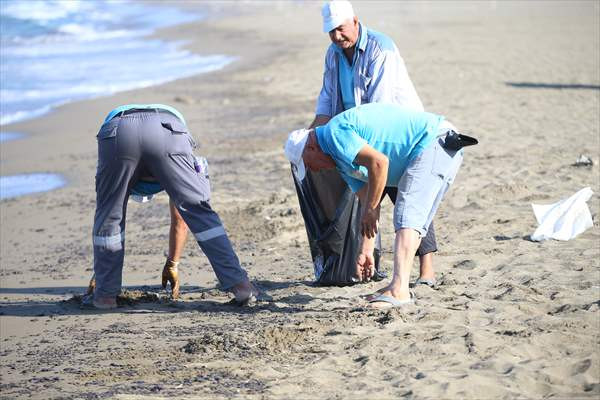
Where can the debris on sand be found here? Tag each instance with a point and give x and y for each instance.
(128, 298)
(583, 161)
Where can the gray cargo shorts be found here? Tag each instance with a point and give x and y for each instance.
(425, 182)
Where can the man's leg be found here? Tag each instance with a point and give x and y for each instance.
(210, 234)
(112, 181)
(406, 245)
(190, 191)
(425, 252)
(109, 245)
(420, 192)
(207, 228)
(426, 267)
(427, 247)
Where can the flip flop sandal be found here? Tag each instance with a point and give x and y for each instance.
(393, 302)
(429, 282)
(371, 296)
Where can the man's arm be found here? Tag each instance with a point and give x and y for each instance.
(177, 233)
(370, 196)
(365, 261)
(177, 237)
(377, 165)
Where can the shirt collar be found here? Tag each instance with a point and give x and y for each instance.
(362, 37)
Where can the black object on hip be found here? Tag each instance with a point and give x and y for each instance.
(456, 141)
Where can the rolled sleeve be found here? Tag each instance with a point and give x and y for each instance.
(342, 143)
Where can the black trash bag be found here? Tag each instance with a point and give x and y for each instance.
(332, 219)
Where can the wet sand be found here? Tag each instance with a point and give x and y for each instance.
(511, 318)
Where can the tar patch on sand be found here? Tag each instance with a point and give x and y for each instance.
(129, 298)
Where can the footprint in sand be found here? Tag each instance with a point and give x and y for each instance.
(466, 264)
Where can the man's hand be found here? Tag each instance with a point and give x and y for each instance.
(365, 266)
(171, 275)
(368, 222)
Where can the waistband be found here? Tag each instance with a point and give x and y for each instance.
(142, 110)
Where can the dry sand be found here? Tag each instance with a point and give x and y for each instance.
(511, 318)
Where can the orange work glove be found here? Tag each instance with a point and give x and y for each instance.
(171, 275)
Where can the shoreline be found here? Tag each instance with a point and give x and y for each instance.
(510, 318)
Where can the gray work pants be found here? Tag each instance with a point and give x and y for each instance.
(157, 144)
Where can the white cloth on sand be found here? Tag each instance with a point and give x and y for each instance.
(563, 220)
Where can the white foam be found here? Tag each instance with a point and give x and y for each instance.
(40, 10)
(88, 49)
(40, 101)
(23, 115)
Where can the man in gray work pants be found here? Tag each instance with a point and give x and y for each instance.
(153, 142)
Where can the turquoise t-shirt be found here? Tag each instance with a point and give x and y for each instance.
(145, 188)
(142, 107)
(346, 70)
(346, 79)
(395, 131)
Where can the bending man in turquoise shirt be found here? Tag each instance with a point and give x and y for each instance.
(375, 146)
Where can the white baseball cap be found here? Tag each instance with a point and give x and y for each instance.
(335, 13)
(294, 147)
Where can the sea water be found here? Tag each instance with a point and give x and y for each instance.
(19, 185)
(58, 51)
(6, 136)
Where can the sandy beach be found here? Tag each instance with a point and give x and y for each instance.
(511, 318)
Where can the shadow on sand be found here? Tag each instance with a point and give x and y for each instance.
(149, 299)
(532, 85)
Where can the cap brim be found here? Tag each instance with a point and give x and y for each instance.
(331, 24)
(328, 26)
